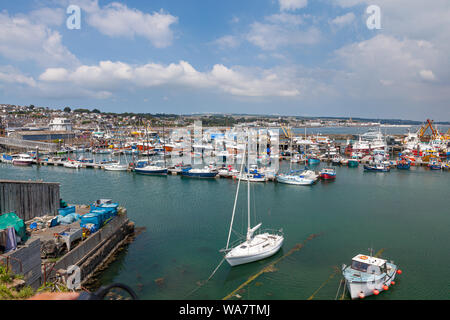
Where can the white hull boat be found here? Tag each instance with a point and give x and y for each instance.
(72, 165)
(369, 275)
(295, 180)
(116, 167)
(255, 249)
(22, 160)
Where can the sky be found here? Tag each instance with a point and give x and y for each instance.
(286, 57)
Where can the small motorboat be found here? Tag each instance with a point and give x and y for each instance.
(252, 175)
(22, 159)
(352, 163)
(435, 165)
(295, 179)
(117, 166)
(337, 160)
(328, 173)
(6, 158)
(377, 167)
(313, 160)
(228, 172)
(149, 168)
(403, 164)
(205, 172)
(72, 164)
(369, 275)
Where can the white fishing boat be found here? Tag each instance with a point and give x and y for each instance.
(255, 246)
(22, 159)
(116, 166)
(228, 172)
(311, 174)
(368, 275)
(151, 169)
(72, 164)
(296, 179)
(253, 175)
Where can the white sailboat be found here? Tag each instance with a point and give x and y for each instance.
(255, 246)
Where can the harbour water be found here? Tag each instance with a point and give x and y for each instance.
(406, 213)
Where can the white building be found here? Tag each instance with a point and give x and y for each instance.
(60, 124)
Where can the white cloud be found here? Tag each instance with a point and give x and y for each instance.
(427, 75)
(109, 76)
(9, 74)
(21, 39)
(343, 20)
(227, 42)
(287, 5)
(117, 20)
(48, 16)
(272, 36)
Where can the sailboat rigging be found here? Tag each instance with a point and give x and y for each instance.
(256, 246)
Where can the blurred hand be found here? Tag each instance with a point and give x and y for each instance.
(56, 296)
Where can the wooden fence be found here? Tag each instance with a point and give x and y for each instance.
(29, 199)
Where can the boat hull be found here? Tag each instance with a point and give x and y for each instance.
(364, 289)
(199, 175)
(21, 163)
(352, 164)
(235, 261)
(327, 176)
(295, 181)
(160, 172)
(374, 169)
(403, 166)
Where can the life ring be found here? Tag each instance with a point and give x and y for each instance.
(363, 257)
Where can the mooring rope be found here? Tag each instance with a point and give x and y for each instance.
(270, 267)
(323, 284)
(203, 283)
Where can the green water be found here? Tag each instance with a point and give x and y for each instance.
(405, 212)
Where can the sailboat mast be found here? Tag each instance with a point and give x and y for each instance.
(248, 194)
(235, 201)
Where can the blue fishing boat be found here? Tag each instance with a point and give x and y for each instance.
(313, 160)
(403, 165)
(353, 163)
(434, 165)
(6, 158)
(199, 173)
(377, 167)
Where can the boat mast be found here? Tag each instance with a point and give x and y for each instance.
(235, 200)
(248, 195)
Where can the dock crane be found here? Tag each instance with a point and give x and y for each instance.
(428, 125)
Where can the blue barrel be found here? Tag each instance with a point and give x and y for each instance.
(93, 218)
(67, 210)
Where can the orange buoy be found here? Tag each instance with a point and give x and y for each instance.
(393, 282)
(399, 271)
(376, 292)
(361, 295)
(385, 288)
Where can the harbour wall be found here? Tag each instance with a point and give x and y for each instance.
(93, 251)
(26, 261)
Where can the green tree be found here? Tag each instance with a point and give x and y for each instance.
(67, 109)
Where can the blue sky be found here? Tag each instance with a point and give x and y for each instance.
(291, 57)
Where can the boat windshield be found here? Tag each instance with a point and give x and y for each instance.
(360, 266)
